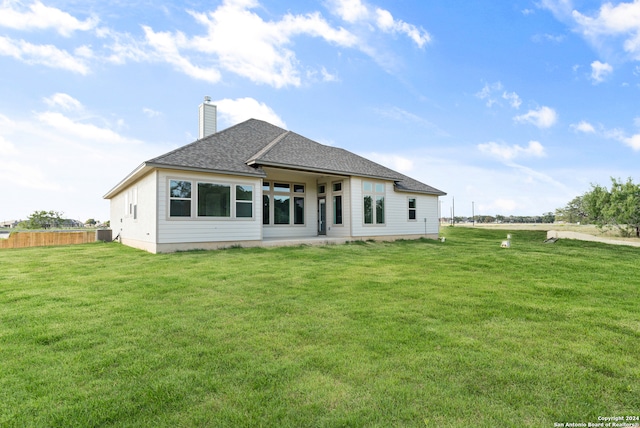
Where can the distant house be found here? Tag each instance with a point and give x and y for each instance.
(70, 223)
(9, 223)
(257, 184)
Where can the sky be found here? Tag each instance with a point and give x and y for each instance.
(512, 107)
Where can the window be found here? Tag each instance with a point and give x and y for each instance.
(379, 209)
(283, 203)
(214, 200)
(266, 187)
(244, 201)
(131, 203)
(180, 198)
(298, 214)
(211, 200)
(412, 208)
(373, 213)
(368, 210)
(322, 189)
(337, 209)
(135, 203)
(265, 209)
(337, 202)
(281, 207)
(281, 187)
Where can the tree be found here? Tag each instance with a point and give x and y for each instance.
(91, 222)
(573, 212)
(616, 208)
(43, 220)
(548, 217)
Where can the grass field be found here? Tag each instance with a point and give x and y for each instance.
(413, 333)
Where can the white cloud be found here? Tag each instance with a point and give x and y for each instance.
(350, 10)
(561, 9)
(83, 131)
(54, 161)
(538, 38)
(151, 113)
(398, 114)
(328, 77)
(491, 93)
(488, 93)
(354, 11)
(633, 142)
(41, 17)
(245, 44)
(507, 153)
(622, 19)
(6, 147)
(505, 188)
(167, 48)
(513, 98)
(583, 126)
(64, 101)
(544, 117)
(397, 163)
(388, 24)
(619, 135)
(47, 55)
(599, 71)
(231, 112)
(124, 47)
(236, 39)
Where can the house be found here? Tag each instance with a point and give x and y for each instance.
(9, 223)
(256, 184)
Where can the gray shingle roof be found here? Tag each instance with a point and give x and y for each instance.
(247, 146)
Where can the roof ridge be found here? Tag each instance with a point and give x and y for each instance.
(268, 147)
(198, 141)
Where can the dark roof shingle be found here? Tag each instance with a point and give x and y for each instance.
(245, 147)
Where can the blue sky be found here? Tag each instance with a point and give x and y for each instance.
(514, 106)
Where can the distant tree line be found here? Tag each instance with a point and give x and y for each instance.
(615, 208)
(544, 218)
(54, 220)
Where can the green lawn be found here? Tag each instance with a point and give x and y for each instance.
(413, 333)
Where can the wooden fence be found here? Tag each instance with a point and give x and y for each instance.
(43, 239)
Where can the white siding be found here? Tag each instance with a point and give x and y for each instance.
(397, 221)
(133, 211)
(344, 230)
(310, 226)
(181, 230)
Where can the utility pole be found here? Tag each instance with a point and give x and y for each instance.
(473, 213)
(453, 211)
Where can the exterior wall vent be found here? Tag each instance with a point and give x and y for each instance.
(207, 118)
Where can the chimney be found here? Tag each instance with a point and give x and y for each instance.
(206, 118)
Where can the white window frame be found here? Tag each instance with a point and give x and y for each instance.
(292, 194)
(334, 194)
(375, 190)
(414, 209)
(233, 215)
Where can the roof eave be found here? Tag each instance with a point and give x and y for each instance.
(425, 192)
(146, 167)
(140, 171)
(258, 173)
(317, 170)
